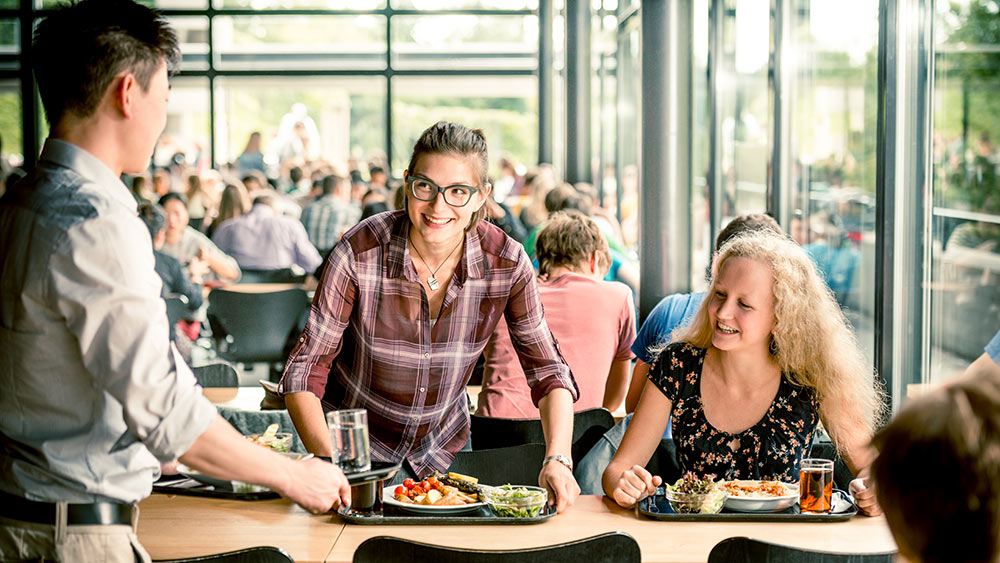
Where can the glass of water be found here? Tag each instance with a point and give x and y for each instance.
(349, 439)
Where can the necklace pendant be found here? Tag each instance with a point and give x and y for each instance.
(432, 282)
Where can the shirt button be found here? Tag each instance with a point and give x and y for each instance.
(302, 339)
(415, 418)
(427, 354)
(422, 389)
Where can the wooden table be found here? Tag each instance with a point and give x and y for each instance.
(185, 526)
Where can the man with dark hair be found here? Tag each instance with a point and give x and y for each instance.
(327, 218)
(94, 397)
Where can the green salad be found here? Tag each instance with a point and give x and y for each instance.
(693, 494)
(514, 501)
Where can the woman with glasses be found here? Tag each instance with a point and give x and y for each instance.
(406, 304)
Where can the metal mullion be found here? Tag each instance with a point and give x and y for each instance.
(389, 73)
(211, 84)
(714, 174)
(30, 129)
(779, 183)
(545, 81)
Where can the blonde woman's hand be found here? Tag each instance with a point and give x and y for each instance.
(634, 485)
(864, 497)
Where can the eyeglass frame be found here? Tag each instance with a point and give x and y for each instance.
(440, 191)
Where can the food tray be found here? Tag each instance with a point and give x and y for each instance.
(483, 516)
(380, 470)
(190, 487)
(658, 508)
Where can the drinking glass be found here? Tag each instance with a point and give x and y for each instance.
(816, 485)
(349, 439)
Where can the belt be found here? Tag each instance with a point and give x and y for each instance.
(100, 513)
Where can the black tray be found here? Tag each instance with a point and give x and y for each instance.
(190, 487)
(658, 507)
(380, 471)
(483, 516)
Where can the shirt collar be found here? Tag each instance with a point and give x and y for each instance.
(68, 155)
(471, 267)
(261, 209)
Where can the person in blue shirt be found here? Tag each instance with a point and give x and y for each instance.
(987, 365)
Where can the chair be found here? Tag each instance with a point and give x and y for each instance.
(588, 427)
(255, 327)
(842, 476)
(747, 550)
(216, 375)
(517, 465)
(612, 547)
(284, 275)
(177, 308)
(264, 554)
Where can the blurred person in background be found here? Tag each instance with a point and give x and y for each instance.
(511, 179)
(252, 158)
(264, 240)
(234, 202)
(593, 321)
(329, 217)
(187, 244)
(141, 189)
(533, 212)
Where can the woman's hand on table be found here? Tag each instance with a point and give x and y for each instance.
(864, 497)
(560, 483)
(317, 485)
(634, 485)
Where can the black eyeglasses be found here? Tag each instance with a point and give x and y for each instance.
(426, 190)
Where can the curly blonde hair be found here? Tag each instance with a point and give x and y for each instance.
(812, 342)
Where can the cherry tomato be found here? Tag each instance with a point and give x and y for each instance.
(419, 490)
(400, 490)
(432, 481)
(409, 483)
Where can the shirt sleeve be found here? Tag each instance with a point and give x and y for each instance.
(543, 364)
(649, 333)
(202, 240)
(627, 329)
(310, 361)
(666, 372)
(993, 348)
(107, 289)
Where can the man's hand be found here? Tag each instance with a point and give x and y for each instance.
(634, 485)
(864, 497)
(560, 483)
(317, 485)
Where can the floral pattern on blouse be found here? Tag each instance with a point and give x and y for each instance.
(770, 449)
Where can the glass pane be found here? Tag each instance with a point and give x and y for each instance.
(702, 239)
(345, 115)
(302, 4)
(10, 39)
(465, 4)
(965, 226)
(12, 149)
(10, 4)
(161, 4)
(465, 42)
(834, 101)
(745, 110)
(193, 35)
(505, 108)
(299, 42)
(185, 140)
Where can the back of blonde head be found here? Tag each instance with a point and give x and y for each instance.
(813, 345)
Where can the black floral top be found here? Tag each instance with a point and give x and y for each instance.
(770, 449)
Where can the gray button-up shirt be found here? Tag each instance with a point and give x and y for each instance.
(91, 395)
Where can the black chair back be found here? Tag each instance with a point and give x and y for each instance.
(747, 550)
(177, 307)
(842, 475)
(284, 275)
(517, 465)
(217, 375)
(264, 554)
(588, 427)
(252, 326)
(612, 547)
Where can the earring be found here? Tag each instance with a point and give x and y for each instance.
(772, 347)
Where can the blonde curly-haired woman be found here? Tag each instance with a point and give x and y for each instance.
(768, 355)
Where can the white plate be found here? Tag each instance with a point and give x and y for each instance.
(763, 504)
(238, 486)
(427, 509)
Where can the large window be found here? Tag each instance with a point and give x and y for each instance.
(965, 221)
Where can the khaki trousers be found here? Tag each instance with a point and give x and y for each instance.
(28, 541)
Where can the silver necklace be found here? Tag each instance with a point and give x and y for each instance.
(432, 281)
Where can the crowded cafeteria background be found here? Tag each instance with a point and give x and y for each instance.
(650, 292)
